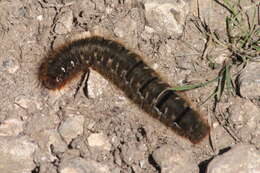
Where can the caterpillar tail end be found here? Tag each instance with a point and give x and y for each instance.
(192, 126)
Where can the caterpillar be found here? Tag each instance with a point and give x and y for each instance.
(129, 72)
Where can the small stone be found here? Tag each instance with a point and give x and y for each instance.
(79, 165)
(50, 143)
(11, 127)
(47, 168)
(172, 159)
(136, 168)
(117, 158)
(16, 154)
(22, 11)
(221, 58)
(64, 23)
(39, 123)
(9, 64)
(99, 140)
(52, 2)
(116, 170)
(132, 154)
(97, 85)
(166, 17)
(130, 26)
(241, 158)
(30, 103)
(143, 164)
(249, 81)
(71, 128)
(56, 141)
(125, 27)
(245, 119)
(39, 18)
(23, 101)
(99, 30)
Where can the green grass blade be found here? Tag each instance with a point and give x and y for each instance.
(210, 96)
(189, 87)
(228, 80)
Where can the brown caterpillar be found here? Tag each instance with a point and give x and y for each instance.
(128, 72)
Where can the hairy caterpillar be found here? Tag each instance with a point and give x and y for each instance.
(128, 72)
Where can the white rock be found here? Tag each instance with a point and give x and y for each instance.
(97, 84)
(240, 159)
(249, 81)
(99, 140)
(245, 118)
(64, 23)
(16, 154)
(71, 127)
(133, 153)
(56, 141)
(246, 114)
(39, 18)
(172, 159)
(166, 17)
(130, 26)
(221, 58)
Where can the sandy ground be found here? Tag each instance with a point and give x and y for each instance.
(107, 132)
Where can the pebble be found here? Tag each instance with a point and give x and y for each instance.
(99, 140)
(117, 157)
(116, 170)
(127, 28)
(130, 27)
(39, 123)
(245, 119)
(47, 168)
(64, 23)
(56, 141)
(166, 17)
(220, 59)
(132, 153)
(241, 158)
(97, 85)
(9, 64)
(16, 154)
(249, 81)
(80, 165)
(23, 101)
(71, 128)
(172, 159)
